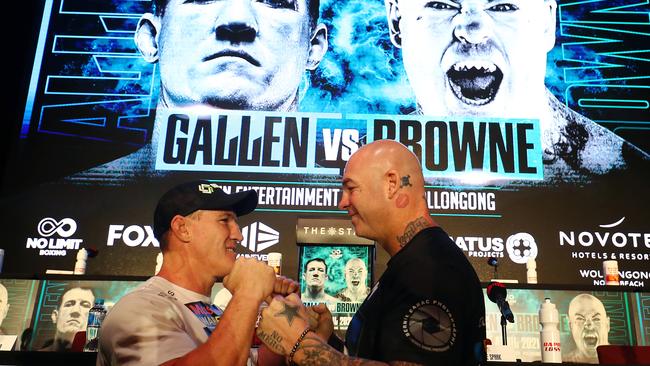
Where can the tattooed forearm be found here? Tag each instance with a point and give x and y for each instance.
(289, 312)
(315, 352)
(413, 228)
(273, 340)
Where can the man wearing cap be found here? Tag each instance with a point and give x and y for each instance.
(170, 319)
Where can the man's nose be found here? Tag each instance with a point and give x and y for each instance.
(236, 233)
(470, 26)
(344, 202)
(237, 21)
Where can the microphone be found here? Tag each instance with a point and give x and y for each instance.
(496, 292)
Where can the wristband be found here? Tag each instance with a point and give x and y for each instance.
(295, 346)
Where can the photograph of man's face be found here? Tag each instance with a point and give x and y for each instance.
(315, 274)
(589, 324)
(72, 314)
(232, 54)
(356, 273)
(474, 57)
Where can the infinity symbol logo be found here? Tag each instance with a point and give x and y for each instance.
(65, 228)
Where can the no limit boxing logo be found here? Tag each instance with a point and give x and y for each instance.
(65, 228)
(50, 246)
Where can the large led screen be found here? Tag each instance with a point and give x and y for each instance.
(530, 119)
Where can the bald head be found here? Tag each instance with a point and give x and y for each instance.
(383, 191)
(589, 324)
(381, 156)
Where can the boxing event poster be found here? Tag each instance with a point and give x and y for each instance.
(62, 309)
(532, 128)
(347, 271)
(586, 320)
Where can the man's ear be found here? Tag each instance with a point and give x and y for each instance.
(393, 17)
(179, 228)
(54, 316)
(146, 37)
(550, 7)
(393, 180)
(317, 47)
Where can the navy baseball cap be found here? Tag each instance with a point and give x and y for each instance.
(199, 195)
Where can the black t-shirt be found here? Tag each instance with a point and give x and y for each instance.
(426, 308)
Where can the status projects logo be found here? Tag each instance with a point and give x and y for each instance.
(55, 237)
(520, 247)
(258, 237)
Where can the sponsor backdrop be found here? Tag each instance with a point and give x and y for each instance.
(602, 317)
(555, 170)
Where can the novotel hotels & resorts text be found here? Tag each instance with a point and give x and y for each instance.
(319, 144)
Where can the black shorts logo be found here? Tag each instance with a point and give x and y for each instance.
(429, 325)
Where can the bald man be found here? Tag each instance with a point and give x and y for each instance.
(427, 308)
(589, 325)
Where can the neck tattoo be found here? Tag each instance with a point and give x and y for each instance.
(411, 229)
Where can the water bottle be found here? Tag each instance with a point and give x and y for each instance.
(95, 317)
(80, 264)
(549, 335)
(531, 271)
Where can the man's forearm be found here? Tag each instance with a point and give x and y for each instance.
(313, 351)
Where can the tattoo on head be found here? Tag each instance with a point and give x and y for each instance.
(406, 181)
(411, 229)
(289, 312)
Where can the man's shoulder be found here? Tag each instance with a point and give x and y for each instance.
(142, 299)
